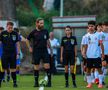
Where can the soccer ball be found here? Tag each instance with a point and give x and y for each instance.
(42, 82)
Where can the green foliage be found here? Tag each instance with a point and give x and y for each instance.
(25, 18)
(87, 7)
(27, 13)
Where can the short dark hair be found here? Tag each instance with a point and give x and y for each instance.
(39, 19)
(105, 23)
(2, 28)
(16, 29)
(92, 22)
(68, 27)
(10, 23)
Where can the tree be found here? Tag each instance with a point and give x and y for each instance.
(7, 9)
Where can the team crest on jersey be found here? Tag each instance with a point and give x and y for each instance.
(64, 40)
(13, 37)
(5, 35)
(72, 41)
(45, 37)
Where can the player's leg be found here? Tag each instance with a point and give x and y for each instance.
(98, 65)
(73, 73)
(46, 61)
(84, 68)
(92, 75)
(4, 64)
(66, 76)
(13, 69)
(104, 70)
(65, 63)
(18, 69)
(36, 74)
(88, 71)
(96, 74)
(8, 73)
(48, 72)
(36, 61)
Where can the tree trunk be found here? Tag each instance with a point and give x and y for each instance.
(7, 10)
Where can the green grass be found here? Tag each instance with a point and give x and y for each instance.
(26, 83)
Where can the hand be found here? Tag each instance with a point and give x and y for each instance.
(30, 50)
(84, 55)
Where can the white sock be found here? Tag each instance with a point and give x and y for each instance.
(89, 80)
(92, 76)
(104, 73)
(96, 74)
(100, 78)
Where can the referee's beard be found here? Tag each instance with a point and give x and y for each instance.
(40, 27)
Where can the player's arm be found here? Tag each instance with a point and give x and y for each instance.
(75, 52)
(75, 49)
(28, 39)
(29, 46)
(82, 49)
(85, 50)
(101, 45)
(18, 47)
(61, 54)
(61, 50)
(102, 49)
(85, 46)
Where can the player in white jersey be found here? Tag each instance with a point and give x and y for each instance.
(82, 52)
(105, 43)
(95, 74)
(93, 54)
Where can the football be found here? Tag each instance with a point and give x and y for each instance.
(42, 82)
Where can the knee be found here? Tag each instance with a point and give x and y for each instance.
(66, 69)
(36, 67)
(46, 66)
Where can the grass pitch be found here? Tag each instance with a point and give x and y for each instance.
(58, 83)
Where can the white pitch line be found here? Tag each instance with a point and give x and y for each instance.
(41, 88)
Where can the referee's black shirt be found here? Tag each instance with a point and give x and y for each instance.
(39, 38)
(68, 44)
(9, 42)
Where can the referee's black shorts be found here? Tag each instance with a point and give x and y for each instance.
(39, 54)
(68, 58)
(8, 61)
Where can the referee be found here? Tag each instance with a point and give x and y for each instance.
(10, 41)
(69, 54)
(40, 41)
